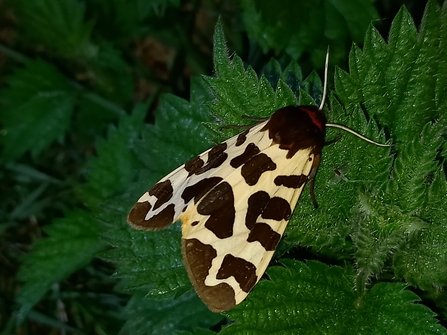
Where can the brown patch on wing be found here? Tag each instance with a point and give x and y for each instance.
(277, 209)
(253, 164)
(253, 169)
(256, 204)
(162, 191)
(199, 189)
(242, 137)
(265, 235)
(293, 181)
(219, 205)
(260, 205)
(250, 151)
(243, 271)
(137, 217)
(193, 165)
(216, 157)
(198, 258)
(297, 127)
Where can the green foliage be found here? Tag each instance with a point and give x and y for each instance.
(36, 110)
(302, 26)
(77, 151)
(414, 114)
(115, 152)
(161, 276)
(71, 245)
(57, 25)
(233, 100)
(121, 18)
(325, 302)
(185, 313)
(353, 223)
(75, 239)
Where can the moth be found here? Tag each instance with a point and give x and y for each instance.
(234, 200)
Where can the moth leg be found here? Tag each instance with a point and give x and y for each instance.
(333, 140)
(313, 172)
(255, 118)
(311, 179)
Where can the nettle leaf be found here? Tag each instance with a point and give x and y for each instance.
(111, 74)
(315, 25)
(239, 92)
(146, 316)
(151, 261)
(58, 25)
(71, 244)
(73, 241)
(343, 176)
(421, 260)
(199, 331)
(110, 173)
(368, 215)
(37, 106)
(123, 18)
(314, 298)
(398, 84)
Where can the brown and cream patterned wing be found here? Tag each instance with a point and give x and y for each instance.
(230, 234)
(235, 200)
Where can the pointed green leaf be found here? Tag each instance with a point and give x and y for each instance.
(71, 244)
(115, 151)
(315, 25)
(58, 25)
(368, 216)
(155, 317)
(151, 261)
(37, 106)
(396, 84)
(316, 299)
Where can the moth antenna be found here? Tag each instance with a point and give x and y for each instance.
(326, 66)
(334, 125)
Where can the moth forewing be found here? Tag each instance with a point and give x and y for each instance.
(235, 201)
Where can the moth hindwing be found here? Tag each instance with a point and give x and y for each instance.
(235, 200)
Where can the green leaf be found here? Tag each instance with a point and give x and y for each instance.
(313, 298)
(315, 25)
(167, 317)
(124, 18)
(239, 92)
(74, 240)
(397, 84)
(71, 244)
(404, 69)
(106, 182)
(421, 260)
(199, 331)
(58, 25)
(376, 204)
(37, 106)
(111, 74)
(161, 275)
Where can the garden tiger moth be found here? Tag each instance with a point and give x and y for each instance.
(235, 200)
